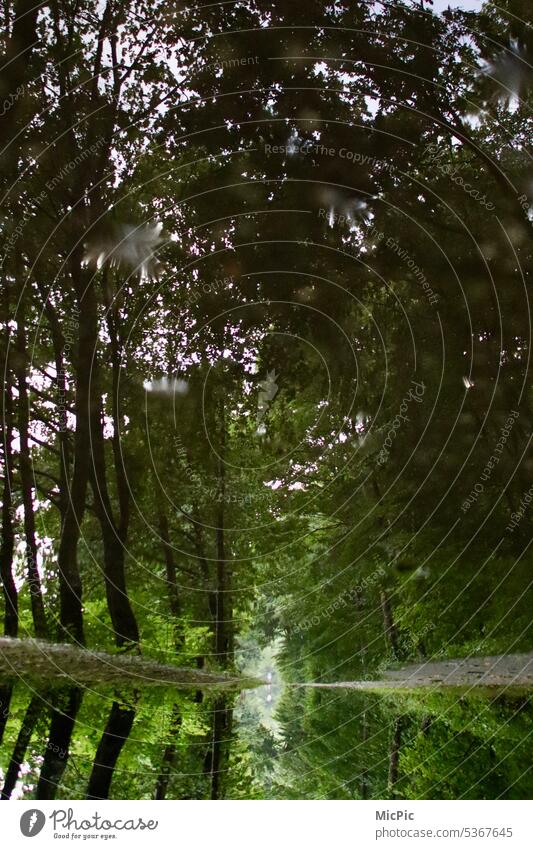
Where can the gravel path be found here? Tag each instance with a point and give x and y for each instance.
(507, 670)
(58, 663)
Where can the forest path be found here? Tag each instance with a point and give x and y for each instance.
(507, 670)
(60, 663)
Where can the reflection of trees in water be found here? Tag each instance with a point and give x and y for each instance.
(116, 732)
(65, 706)
(21, 745)
(105, 751)
(347, 206)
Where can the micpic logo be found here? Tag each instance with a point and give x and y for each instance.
(32, 822)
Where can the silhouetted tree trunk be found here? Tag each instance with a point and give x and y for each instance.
(216, 755)
(14, 65)
(7, 547)
(34, 581)
(22, 742)
(116, 732)
(118, 602)
(58, 744)
(114, 534)
(6, 693)
(58, 343)
(70, 588)
(391, 633)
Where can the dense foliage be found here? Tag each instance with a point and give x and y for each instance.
(267, 408)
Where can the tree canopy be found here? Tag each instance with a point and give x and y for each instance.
(267, 411)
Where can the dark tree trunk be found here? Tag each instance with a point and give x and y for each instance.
(114, 535)
(14, 74)
(6, 693)
(22, 742)
(217, 752)
(426, 725)
(116, 732)
(34, 581)
(120, 610)
(391, 633)
(58, 342)
(57, 748)
(8, 536)
(70, 588)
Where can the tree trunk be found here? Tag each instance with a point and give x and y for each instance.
(7, 547)
(70, 588)
(6, 693)
(57, 748)
(14, 74)
(391, 634)
(118, 603)
(34, 581)
(22, 742)
(113, 537)
(58, 342)
(216, 755)
(116, 732)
